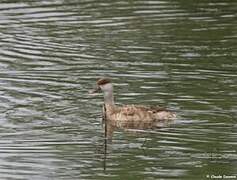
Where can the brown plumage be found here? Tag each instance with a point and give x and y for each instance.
(138, 117)
(131, 116)
(102, 81)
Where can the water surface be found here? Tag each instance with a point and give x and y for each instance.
(177, 54)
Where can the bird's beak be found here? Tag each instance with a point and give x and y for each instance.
(97, 89)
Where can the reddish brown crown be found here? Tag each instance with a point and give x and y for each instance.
(103, 81)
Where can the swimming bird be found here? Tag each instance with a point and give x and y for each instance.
(130, 116)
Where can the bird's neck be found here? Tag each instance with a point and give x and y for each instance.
(109, 98)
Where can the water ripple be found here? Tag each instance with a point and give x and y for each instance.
(175, 54)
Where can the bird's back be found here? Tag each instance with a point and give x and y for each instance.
(139, 117)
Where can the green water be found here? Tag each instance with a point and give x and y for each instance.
(178, 54)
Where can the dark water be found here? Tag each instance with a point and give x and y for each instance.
(179, 54)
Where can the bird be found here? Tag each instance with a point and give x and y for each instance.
(130, 116)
